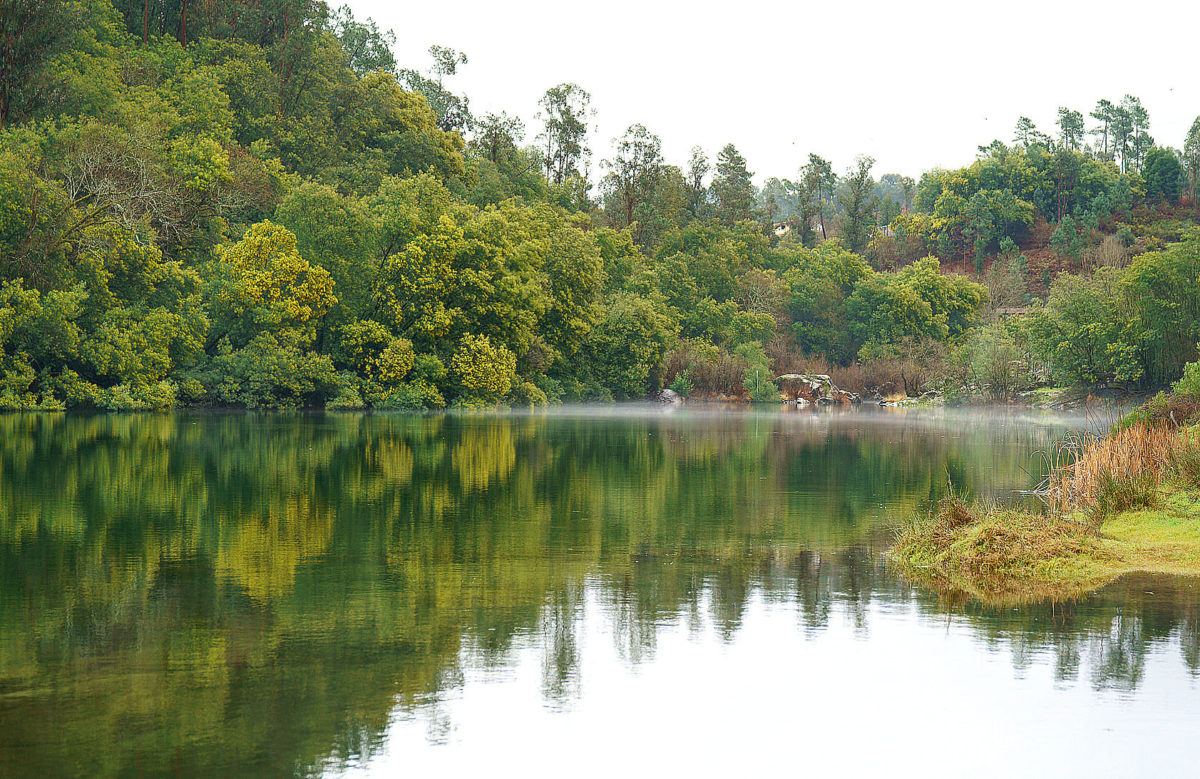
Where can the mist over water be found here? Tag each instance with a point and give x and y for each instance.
(585, 590)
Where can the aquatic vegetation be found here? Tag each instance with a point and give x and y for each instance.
(1127, 503)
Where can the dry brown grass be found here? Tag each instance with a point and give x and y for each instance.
(1116, 472)
(878, 378)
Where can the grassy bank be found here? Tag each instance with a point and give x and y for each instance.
(1125, 503)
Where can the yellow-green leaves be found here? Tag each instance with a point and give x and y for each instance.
(482, 369)
(199, 162)
(262, 284)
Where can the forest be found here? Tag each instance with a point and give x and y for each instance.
(253, 204)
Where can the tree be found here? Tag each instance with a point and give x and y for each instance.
(1121, 128)
(625, 349)
(819, 281)
(1070, 128)
(484, 371)
(1139, 139)
(366, 47)
(731, 188)
(32, 33)
(697, 171)
(1191, 157)
(1027, 134)
(335, 233)
(1164, 176)
(1163, 293)
(453, 111)
(818, 177)
(1086, 329)
(261, 284)
(980, 226)
(566, 109)
(446, 61)
(497, 136)
(1104, 113)
(806, 206)
(857, 202)
(907, 188)
(574, 267)
(634, 172)
(383, 118)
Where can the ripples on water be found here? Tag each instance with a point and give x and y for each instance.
(581, 591)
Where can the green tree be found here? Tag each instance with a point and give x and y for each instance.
(453, 111)
(483, 371)
(1136, 119)
(1191, 157)
(335, 233)
(698, 169)
(1104, 113)
(1086, 330)
(1164, 176)
(1070, 128)
(261, 284)
(1163, 294)
(497, 136)
(566, 111)
(366, 47)
(819, 178)
(625, 349)
(32, 34)
(1027, 134)
(635, 172)
(858, 201)
(732, 192)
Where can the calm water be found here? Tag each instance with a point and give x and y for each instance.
(578, 593)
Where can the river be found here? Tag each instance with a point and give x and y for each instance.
(583, 592)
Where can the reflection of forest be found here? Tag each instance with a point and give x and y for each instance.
(201, 593)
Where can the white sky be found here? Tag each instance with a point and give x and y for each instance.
(914, 84)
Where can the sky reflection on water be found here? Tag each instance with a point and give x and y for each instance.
(583, 590)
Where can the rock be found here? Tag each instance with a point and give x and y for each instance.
(669, 396)
(805, 388)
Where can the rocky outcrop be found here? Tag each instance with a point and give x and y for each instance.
(806, 388)
(669, 396)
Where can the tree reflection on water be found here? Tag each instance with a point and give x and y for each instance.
(207, 593)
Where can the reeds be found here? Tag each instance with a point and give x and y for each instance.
(1104, 475)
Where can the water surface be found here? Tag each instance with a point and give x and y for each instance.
(582, 592)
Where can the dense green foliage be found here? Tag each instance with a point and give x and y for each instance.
(252, 204)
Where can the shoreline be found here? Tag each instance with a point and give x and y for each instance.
(1128, 503)
(999, 560)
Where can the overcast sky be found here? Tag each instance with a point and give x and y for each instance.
(913, 84)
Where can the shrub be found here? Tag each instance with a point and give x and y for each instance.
(1189, 384)
(526, 393)
(412, 396)
(270, 374)
(683, 383)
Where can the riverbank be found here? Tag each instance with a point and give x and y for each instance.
(1128, 503)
